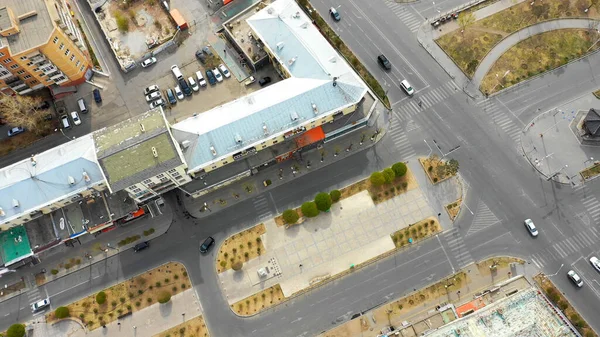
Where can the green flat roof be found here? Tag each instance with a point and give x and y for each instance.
(14, 245)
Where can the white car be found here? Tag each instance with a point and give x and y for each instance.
(201, 79)
(218, 75)
(575, 278)
(178, 93)
(157, 103)
(595, 263)
(406, 86)
(148, 62)
(153, 96)
(531, 227)
(193, 83)
(224, 70)
(150, 89)
(76, 119)
(40, 305)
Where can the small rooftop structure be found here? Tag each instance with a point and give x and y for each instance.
(321, 83)
(47, 177)
(136, 149)
(14, 245)
(25, 24)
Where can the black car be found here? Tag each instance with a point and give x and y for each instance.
(201, 56)
(185, 87)
(205, 246)
(264, 81)
(384, 62)
(97, 96)
(44, 106)
(211, 77)
(141, 246)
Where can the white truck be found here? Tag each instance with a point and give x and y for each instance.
(250, 80)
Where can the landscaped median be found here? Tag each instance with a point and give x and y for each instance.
(437, 169)
(591, 172)
(195, 327)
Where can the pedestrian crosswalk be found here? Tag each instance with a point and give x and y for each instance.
(484, 218)
(566, 247)
(500, 119)
(261, 204)
(427, 99)
(406, 15)
(457, 248)
(402, 145)
(35, 295)
(590, 202)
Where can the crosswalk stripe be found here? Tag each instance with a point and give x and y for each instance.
(586, 239)
(559, 251)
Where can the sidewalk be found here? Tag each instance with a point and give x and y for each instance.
(143, 323)
(282, 173)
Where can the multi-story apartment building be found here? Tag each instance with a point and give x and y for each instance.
(40, 46)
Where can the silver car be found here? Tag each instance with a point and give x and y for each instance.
(153, 96)
(531, 227)
(148, 62)
(575, 278)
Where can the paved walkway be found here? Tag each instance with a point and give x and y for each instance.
(353, 232)
(493, 55)
(144, 323)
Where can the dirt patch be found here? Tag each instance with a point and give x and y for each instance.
(591, 172)
(242, 246)
(13, 288)
(538, 54)
(259, 301)
(597, 94)
(40, 279)
(194, 327)
(491, 266)
(354, 327)
(416, 232)
(453, 209)
(561, 302)
(437, 169)
(132, 295)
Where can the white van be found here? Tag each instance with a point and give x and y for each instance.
(65, 121)
(201, 79)
(82, 107)
(176, 72)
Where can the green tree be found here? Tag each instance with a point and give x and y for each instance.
(452, 167)
(16, 330)
(389, 175)
(335, 195)
(399, 169)
(309, 209)
(323, 201)
(377, 179)
(61, 312)
(237, 265)
(164, 297)
(101, 297)
(290, 216)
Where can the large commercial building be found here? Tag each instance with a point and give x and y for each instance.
(40, 46)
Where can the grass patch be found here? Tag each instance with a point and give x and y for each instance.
(89, 47)
(132, 295)
(242, 246)
(195, 327)
(536, 55)
(597, 94)
(591, 171)
(453, 209)
(417, 232)
(468, 49)
(437, 170)
(259, 301)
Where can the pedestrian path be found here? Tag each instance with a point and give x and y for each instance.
(574, 245)
(457, 247)
(406, 15)
(401, 143)
(261, 204)
(589, 202)
(500, 118)
(427, 99)
(484, 218)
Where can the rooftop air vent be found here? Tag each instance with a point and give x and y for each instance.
(142, 128)
(296, 15)
(154, 152)
(333, 59)
(71, 180)
(15, 203)
(280, 45)
(86, 177)
(314, 107)
(270, 10)
(2, 212)
(185, 144)
(292, 60)
(304, 25)
(238, 138)
(213, 151)
(294, 116)
(33, 163)
(265, 130)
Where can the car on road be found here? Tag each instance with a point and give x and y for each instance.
(407, 88)
(97, 96)
(205, 246)
(264, 81)
(211, 77)
(152, 96)
(148, 62)
(531, 227)
(141, 246)
(334, 14)
(75, 117)
(218, 75)
(151, 89)
(224, 70)
(157, 103)
(193, 83)
(39, 305)
(15, 131)
(201, 80)
(179, 93)
(184, 87)
(595, 263)
(575, 278)
(171, 97)
(384, 62)
(200, 56)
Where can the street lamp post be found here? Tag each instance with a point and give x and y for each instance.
(557, 270)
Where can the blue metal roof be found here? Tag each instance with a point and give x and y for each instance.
(43, 188)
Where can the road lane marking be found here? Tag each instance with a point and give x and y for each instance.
(75, 286)
(447, 257)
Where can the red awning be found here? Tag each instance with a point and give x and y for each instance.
(139, 212)
(311, 136)
(225, 2)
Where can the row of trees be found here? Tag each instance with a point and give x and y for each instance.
(388, 174)
(310, 209)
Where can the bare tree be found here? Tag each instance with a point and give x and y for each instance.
(465, 21)
(23, 111)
